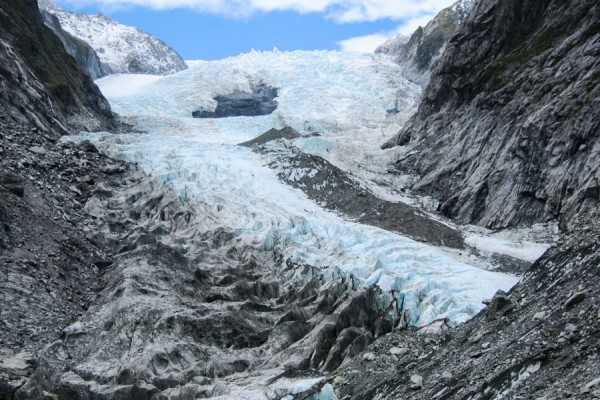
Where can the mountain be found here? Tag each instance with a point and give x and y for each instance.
(42, 85)
(121, 49)
(223, 277)
(419, 54)
(267, 257)
(507, 130)
(507, 134)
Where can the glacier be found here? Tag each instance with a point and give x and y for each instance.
(224, 207)
(325, 92)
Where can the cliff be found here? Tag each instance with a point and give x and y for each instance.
(507, 131)
(41, 84)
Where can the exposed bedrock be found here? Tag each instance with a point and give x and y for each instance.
(507, 131)
(271, 135)
(420, 53)
(261, 101)
(182, 313)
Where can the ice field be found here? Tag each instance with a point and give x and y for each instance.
(346, 98)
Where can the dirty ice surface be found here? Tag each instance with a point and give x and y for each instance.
(327, 92)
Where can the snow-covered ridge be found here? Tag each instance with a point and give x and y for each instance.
(121, 49)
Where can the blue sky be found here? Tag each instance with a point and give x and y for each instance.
(215, 29)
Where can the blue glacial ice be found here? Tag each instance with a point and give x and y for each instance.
(230, 186)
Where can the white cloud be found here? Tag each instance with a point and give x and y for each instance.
(362, 44)
(411, 24)
(341, 11)
(409, 13)
(368, 43)
(371, 10)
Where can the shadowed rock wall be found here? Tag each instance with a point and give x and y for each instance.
(507, 131)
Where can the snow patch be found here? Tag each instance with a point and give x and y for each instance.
(113, 87)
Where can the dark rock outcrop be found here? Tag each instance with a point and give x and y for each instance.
(13, 184)
(272, 134)
(507, 131)
(82, 52)
(420, 53)
(40, 83)
(261, 101)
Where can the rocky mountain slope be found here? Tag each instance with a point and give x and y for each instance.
(506, 135)
(48, 268)
(507, 131)
(419, 54)
(47, 273)
(41, 84)
(121, 49)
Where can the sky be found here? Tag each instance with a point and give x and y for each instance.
(216, 29)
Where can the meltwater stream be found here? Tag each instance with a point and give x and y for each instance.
(231, 190)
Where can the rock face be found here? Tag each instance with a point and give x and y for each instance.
(82, 52)
(41, 84)
(271, 135)
(121, 49)
(261, 101)
(507, 131)
(419, 54)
